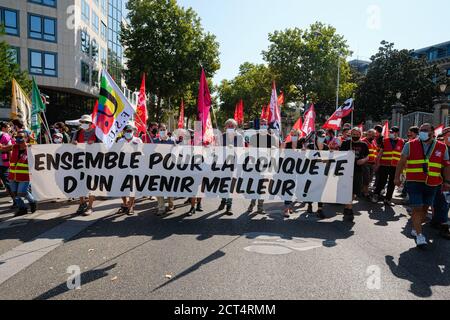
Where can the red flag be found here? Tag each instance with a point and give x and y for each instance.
(204, 102)
(281, 99)
(335, 121)
(386, 130)
(181, 119)
(297, 126)
(141, 110)
(239, 112)
(275, 110)
(263, 113)
(310, 121)
(439, 130)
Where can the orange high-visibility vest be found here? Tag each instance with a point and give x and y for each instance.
(391, 157)
(420, 169)
(18, 170)
(373, 150)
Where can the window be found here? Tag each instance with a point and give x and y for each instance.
(103, 57)
(94, 50)
(84, 72)
(50, 3)
(104, 7)
(103, 30)
(42, 63)
(10, 20)
(14, 54)
(95, 21)
(85, 11)
(95, 76)
(432, 55)
(42, 28)
(85, 40)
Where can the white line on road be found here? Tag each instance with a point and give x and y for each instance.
(19, 258)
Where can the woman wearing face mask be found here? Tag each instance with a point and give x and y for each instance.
(331, 140)
(320, 145)
(86, 134)
(19, 177)
(129, 137)
(61, 128)
(296, 143)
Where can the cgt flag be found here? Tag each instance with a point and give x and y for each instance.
(335, 121)
(203, 103)
(114, 111)
(141, 110)
(309, 124)
(181, 119)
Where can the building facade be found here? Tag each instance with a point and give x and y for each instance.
(65, 44)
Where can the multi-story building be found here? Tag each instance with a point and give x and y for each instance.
(438, 54)
(64, 44)
(360, 65)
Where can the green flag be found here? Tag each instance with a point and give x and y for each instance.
(37, 107)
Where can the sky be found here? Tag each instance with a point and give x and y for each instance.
(242, 26)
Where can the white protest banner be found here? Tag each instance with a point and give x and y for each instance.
(68, 171)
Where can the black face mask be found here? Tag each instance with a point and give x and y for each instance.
(155, 131)
(355, 139)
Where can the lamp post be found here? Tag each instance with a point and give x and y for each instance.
(444, 104)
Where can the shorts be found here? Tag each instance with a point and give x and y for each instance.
(420, 194)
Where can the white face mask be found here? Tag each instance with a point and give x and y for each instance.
(321, 140)
(294, 138)
(128, 135)
(392, 136)
(162, 134)
(230, 131)
(85, 126)
(57, 141)
(57, 131)
(264, 127)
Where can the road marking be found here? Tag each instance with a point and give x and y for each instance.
(19, 258)
(274, 244)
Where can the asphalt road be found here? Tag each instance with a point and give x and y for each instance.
(213, 256)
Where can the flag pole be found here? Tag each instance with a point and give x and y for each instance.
(46, 127)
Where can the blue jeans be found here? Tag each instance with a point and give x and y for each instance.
(21, 190)
(440, 208)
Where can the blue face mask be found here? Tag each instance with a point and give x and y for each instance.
(20, 140)
(424, 136)
(321, 140)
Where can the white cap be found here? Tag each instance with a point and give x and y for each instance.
(86, 118)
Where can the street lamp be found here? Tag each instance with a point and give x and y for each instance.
(398, 110)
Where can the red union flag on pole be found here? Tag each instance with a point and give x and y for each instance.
(335, 121)
(297, 126)
(141, 110)
(275, 109)
(181, 119)
(204, 102)
(309, 124)
(439, 130)
(239, 112)
(386, 130)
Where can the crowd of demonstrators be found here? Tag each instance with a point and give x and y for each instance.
(419, 166)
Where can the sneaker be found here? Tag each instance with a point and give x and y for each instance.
(321, 215)
(170, 208)
(21, 212)
(199, 207)
(421, 241)
(88, 212)
(191, 212)
(444, 231)
(130, 212)
(222, 206)
(414, 233)
(261, 211)
(123, 209)
(82, 208)
(229, 212)
(33, 207)
(375, 198)
(286, 213)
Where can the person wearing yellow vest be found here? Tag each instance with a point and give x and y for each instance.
(426, 161)
(387, 160)
(369, 168)
(19, 177)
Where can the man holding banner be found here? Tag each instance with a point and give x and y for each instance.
(86, 134)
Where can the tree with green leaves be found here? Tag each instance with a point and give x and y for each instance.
(9, 69)
(168, 43)
(253, 85)
(395, 71)
(305, 65)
